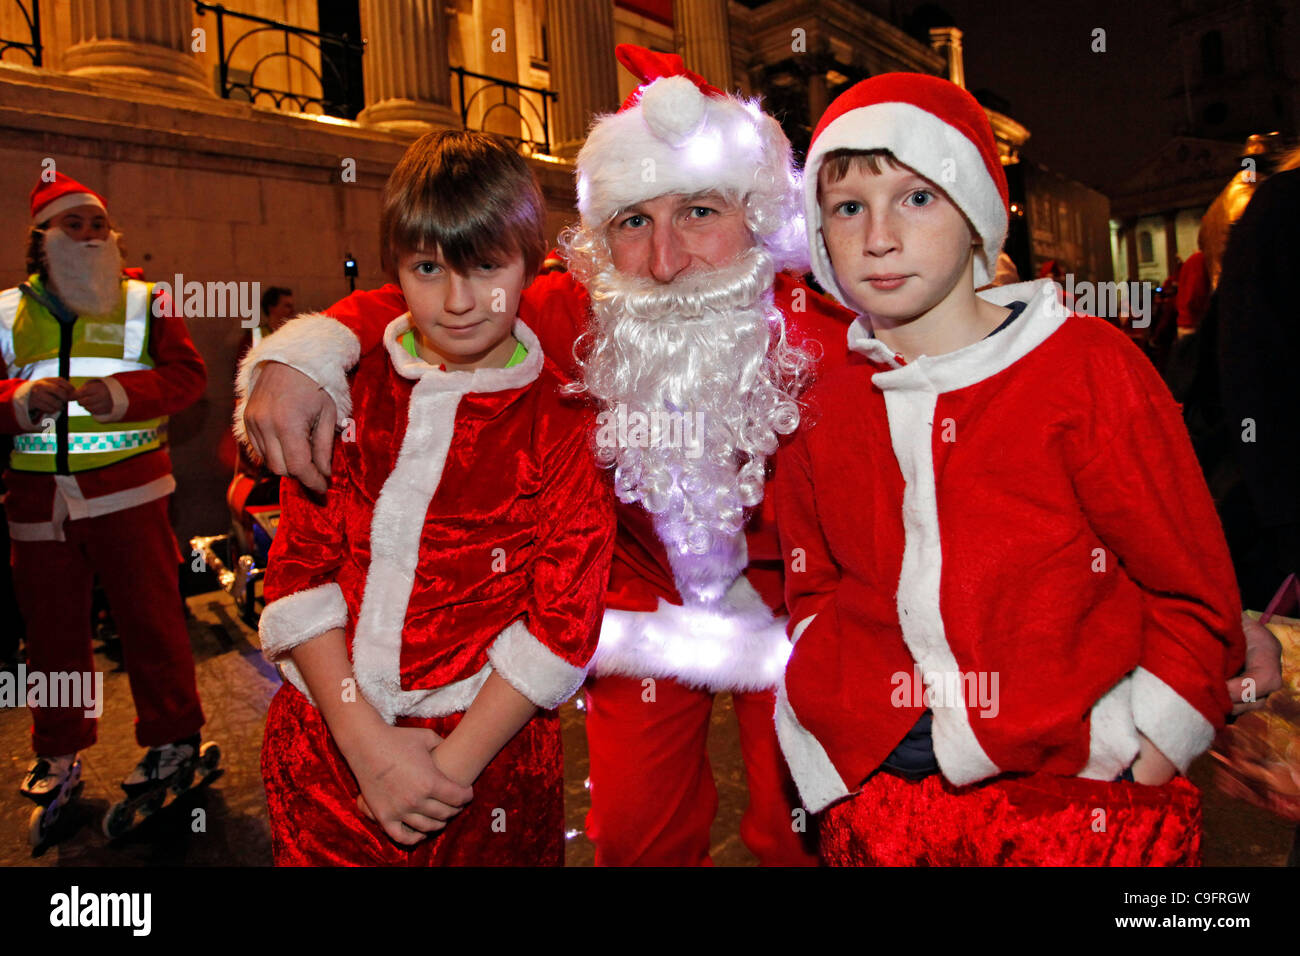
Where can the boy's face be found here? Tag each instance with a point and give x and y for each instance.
(897, 244)
(664, 237)
(465, 318)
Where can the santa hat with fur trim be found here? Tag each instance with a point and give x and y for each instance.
(51, 198)
(678, 134)
(931, 125)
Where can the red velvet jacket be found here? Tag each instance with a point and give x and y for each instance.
(466, 529)
(752, 646)
(1021, 525)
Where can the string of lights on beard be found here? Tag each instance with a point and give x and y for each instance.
(710, 346)
(86, 276)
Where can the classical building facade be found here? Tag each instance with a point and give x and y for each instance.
(250, 141)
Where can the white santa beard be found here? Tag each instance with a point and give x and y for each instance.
(697, 348)
(86, 276)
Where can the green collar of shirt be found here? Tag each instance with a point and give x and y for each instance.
(408, 343)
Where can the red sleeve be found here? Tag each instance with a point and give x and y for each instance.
(557, 308)
(303, 599)
(811, 574)
(1144, 495)
(9, 424)
(367, 313)
(178, 377)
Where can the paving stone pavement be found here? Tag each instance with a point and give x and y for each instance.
(236, 685)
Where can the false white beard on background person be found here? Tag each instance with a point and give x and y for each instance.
(706, 357)
(86, 276)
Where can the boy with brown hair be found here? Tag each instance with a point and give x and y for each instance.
(455, 570)
(1013, 608)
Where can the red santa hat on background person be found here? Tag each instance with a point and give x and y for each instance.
(64, 193)
(676, 133)
(935, 127)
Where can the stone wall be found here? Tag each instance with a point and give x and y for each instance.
(216, 191)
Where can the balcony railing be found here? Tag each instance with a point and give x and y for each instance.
(32, 46)
(340, 86)
(535, 123)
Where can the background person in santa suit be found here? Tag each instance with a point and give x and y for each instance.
(94, 367)
(690, 207)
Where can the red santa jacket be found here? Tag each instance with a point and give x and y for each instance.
(36, 504)
(744, 649)
(1020, 526)
(466, 529)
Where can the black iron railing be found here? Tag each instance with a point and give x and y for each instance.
(535, 123)
(31, 46)
(340, 84)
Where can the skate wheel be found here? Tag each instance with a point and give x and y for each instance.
(38, 827)
(209, 756)
(118, 820)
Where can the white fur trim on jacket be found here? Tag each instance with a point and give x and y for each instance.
(816, 778)
(533, 669)
(322, 348)
(911, 392)
(296, 619)
(734, 645)
(120, 401)
(398, 521)
(1113, 740)
(1177, 728)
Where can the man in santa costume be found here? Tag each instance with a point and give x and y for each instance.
(689, 209)
(94, 367)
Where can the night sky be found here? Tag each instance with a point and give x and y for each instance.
(1092, 116)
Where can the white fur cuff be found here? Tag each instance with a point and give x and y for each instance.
(120, 401)
(298, 618)
(21, 411)
(818, 781)
(322, 348)
(533, 669)
(1177, 728)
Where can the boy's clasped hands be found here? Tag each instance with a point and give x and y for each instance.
(403, 787)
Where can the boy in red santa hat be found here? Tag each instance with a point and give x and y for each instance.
(95, 364)
(1007, 649)
(689, 210)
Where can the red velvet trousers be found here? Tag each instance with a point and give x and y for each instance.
(134, 553)
(652, 793)
(1028, 820)
(515, 819)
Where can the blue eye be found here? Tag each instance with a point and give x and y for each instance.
(427, 268)
(634, 222)
(701, 209)
(850, 208)
(927, 197)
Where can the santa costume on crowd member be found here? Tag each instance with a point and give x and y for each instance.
(1007, 598)
(695, 598)
(87, 493)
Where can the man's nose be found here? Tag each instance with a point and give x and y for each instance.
(668, 255)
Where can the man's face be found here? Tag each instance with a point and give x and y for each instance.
(897, 244)
(282, 311)
(82, 223)
(664, 237)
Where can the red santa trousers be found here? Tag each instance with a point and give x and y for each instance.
(134, 553)
(652, 793)
(1014, 820)
(312, 797)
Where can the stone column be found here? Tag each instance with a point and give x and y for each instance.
(584, 73)
(947, 41)
(140, 41)
(1129, 232)
(405, 67)
(703, 32)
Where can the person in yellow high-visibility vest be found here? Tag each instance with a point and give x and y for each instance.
(94, 365)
